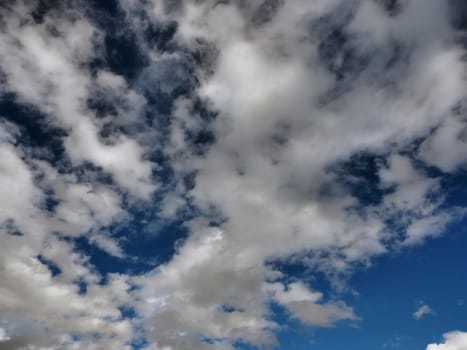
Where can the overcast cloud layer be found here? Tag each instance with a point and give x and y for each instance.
(274, 131)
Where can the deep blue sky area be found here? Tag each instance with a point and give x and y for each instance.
(391, 290)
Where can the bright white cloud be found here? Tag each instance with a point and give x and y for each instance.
(452, 341)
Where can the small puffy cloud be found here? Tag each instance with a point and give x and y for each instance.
(422, 311)
(452, 341)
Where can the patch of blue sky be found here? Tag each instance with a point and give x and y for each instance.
(389, 292)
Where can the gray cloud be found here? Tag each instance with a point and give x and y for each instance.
(276, 140)
(295, 89)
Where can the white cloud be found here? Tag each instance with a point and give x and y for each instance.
(3, 335)
(108, 245)
(444, 148)
(50, 305)
(431, 226)
(416, 198)
(45, 70)
(422, 311)
(290, 108)
(452, 341)
(276, 138)
(306, 305)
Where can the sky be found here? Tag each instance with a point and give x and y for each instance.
(233, 174)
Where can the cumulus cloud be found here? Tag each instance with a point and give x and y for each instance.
(452, 341)
(51, 295)
(247, 122)
(287, 112)
(42, 64)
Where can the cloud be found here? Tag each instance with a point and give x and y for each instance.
(285, 117)
(48, 74)
(442, 148)
(3, 335)
(422, 311)
(51, 295)
(246, 126)
(304, 305)
(108, 245)
(452, 341)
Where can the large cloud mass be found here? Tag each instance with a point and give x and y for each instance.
(272, 131)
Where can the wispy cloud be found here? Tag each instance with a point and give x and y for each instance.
(423, 311)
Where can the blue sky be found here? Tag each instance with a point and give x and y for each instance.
(233, 175)
(391, 291)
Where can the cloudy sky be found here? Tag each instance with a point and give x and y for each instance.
(233, 174)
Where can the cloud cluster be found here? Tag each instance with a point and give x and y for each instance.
(262, 117)
(42, 64)
(51, 295)
(297, 95)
